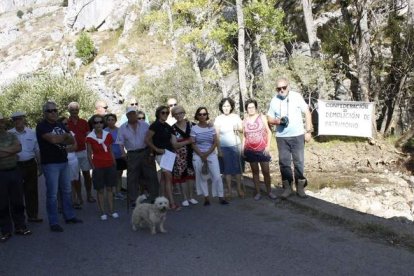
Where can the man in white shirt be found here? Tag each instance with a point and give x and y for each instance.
(28, 161)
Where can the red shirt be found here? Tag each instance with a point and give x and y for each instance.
(81, 130)
(100, 157)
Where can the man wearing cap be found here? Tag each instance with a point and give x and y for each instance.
(11, 186)
(132, 103)
(131, 136)
(81, 129)
(53, 138)
(28, 160)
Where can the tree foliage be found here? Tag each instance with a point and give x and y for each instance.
(85, 48)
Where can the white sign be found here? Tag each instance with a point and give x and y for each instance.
(345, 118)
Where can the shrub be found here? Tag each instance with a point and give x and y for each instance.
(29, 10)
(85, 48)
(29, 95)
(20, 14)
(64, 3)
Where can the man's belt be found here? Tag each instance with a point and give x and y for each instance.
(26, 163)
(137, 150)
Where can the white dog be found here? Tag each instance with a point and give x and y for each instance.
(150, 215)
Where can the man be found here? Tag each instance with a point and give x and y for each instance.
(171, 103)
(131, 136)
(11, 186)
(101, 108)
(132, 103)
(81, 129)
(53, 137)
(285, 112)
(28, 160)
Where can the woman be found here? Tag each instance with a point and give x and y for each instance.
(158, 138)
(227, 126)
(119, 154)
(183, 172)
(205, 160)
(256, 146)
(100, 155)
(74, 169)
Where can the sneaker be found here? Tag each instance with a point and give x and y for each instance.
(185, 203)
(224, 202)
(257, 197)
(193, 201)
(104, 217)
(56, 228)
(115, 215)
(5, 237)
(120, 196)
(272, 195)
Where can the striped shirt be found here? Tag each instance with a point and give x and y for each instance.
(204, 137)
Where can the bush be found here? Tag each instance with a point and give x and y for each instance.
(65, 3)
(20, 14)
(85, 48)
(29, 95)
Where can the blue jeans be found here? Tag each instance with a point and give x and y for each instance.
(291, 148)
(57, 177)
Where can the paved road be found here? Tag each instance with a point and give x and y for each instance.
(244, 238)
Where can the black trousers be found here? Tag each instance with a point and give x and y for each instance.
(31, 199)
(11, 201)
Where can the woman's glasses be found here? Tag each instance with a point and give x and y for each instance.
(54, 110)
(202, 114)
(141, 118)
(98, 122)
(164, 112)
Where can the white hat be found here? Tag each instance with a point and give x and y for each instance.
(131, 109)
(18, 114)
(1, 116)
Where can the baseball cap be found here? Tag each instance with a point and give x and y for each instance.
(131, 109)
(18, 114)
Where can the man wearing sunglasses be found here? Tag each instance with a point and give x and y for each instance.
(53, 137)
(134, 104)
(285, 111)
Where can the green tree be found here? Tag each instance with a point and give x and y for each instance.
(85, 48)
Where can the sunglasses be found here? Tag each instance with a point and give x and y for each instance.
(98, 122)
(281, 88)
(202, 114)
(164, 112)
(179, 113)
(54, 110)
(171, 105)
(132, 104)
(141, 118)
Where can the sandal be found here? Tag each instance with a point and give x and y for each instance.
(23, 232)
(5, 237)
(175, 207)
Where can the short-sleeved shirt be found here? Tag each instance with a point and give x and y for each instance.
(6, 140)
(101, 154)
(116, 148)
(162, 135)
(132, 139)
(204, 137)
(226, 124)
(49, 152)
(293, 106)
(81, 130)
(28, 140)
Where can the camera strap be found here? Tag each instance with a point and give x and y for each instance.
(287, 107)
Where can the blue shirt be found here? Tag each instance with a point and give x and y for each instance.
(116, 148)
(293, 106)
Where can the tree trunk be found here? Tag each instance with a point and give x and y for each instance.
(363, 55)
(240, 51)
(168, 6)
(262, 56)
(196, 68)
(410, 14)
(310, 28)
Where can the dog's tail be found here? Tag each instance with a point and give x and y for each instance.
(140, 199)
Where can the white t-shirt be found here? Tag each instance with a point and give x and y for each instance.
(226, 125)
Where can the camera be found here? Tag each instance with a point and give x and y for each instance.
(284, 121)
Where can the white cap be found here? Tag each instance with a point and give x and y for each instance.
(131, 109)
(18, 114)
(1, 116)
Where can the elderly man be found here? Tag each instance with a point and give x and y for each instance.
(29, 158)
(132, 103)
(171, 103)
(11, 186)
(285, 111)
(53, 138)
(131, 136)
(81, 129)
(101, 108)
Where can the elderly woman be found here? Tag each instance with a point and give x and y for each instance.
(227, 126)
(183, 172)
(256, 146)
(205, 160)
(100, 155)
(158, 138)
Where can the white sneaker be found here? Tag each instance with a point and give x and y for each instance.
(115, 215)
(257, 197)
(193, 201)
(104, 217)
(185, 203)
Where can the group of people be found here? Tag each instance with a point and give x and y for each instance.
(62, 147)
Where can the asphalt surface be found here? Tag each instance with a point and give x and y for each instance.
(246, 237)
